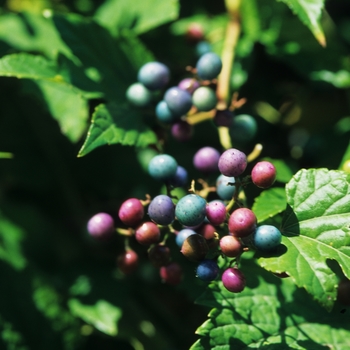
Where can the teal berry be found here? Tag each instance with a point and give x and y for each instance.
(191, 210)
(243, 128)
(204, 98)
(209, 66)
(162, 167)
(267, 238)
(138, 95)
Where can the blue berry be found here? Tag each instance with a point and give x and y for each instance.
(162, 167)
(202, 48)
(161, 210)
(223, 189)
(209, 66)
(138, 95)
(154, 75)
(191, 210)
(204, 99)
(180, 178)
(179, 101)
(207, 270)
(267, 238)
(182, 235)
(164, 114)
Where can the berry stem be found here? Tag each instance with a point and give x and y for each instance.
(125, 232)
(233, 31)
(255, 153)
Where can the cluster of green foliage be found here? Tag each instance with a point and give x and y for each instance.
(72, 146)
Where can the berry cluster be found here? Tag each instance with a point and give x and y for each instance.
(204, 224)
(202, 229)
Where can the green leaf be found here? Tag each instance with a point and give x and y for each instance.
(316, 231)
(309, 12)
(103, 315)
(270, 313)
(340, 79)
(269, 203)
(112, 124)
(117, 15)
(11, 237)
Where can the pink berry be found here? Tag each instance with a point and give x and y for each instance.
(127, 261)
(131, 212)
(216, 212)
(231, 246)
(263, 174)
(242, 222)
(233, 280)
(101, 226)
(147, 233)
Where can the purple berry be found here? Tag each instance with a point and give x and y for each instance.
(147, 233)
(180, 178)
(131, 212)
(232, 162)
(189, 85)
(263, 174)
(101, 226)
(216, 212)
(182, 131)
(242, 222)
(161, 210)
(233, 280)
(206, 159)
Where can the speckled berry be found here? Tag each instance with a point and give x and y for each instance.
(263, 174)
(191, 210)
(242, 222)
(232, 162)
(161, 210)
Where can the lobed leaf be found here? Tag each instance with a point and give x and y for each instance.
(112, 124)
(316, 231)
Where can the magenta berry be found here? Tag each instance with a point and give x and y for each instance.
(189, 85)
(242, 222)
(233, 280)
(101, 226)
(131, 212)
(127, 261)
(216, 212)
(263, 174)
(147, 233)
(171, 274)
(206, 159)
(232, 162)
(182, 131)
(231, 246)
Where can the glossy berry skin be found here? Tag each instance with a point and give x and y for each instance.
(138, 95)
(216, 212)
(189, 85)
(161, 210)
(127, 261)
(225, 187)
(231, 246)
(209, 66)
(162, 167)
(206, 159)
(207, 270)
(242, 222)
(131, 212)
(195, 247)
(223, 118)
(190, 210)
(154, 75)
(243, 128)
(267, 238)
(171, 273)
(233, 280)
(147, 233)
(343, 293)
(164, 114)
(182, 131)
(179, 101)
(182, 235)
(204, 99)
(180, 178)
(101, 226)
(159, 255)
(232, 162)
(263, 174)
